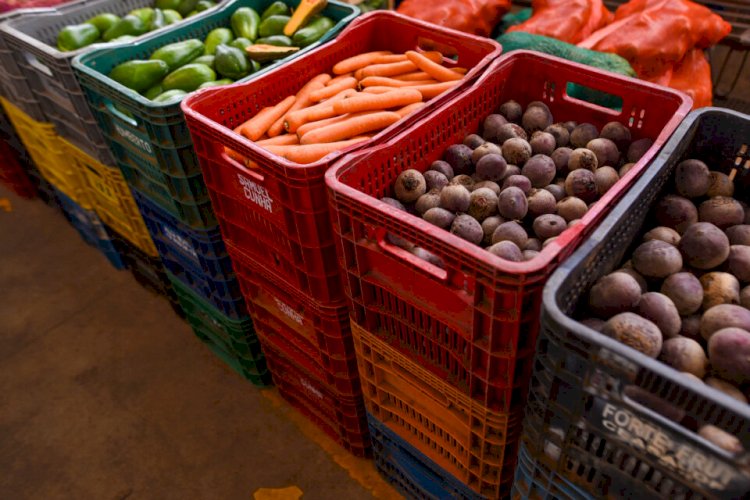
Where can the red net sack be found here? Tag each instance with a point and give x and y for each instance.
(654, 35)
(478, 17)
(692, 75)
(8, 5)
(567, 20)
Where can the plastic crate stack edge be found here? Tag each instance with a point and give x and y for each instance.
(581, 379)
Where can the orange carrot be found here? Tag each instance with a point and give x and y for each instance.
(351, 127)
(313, 113)
(358, 61)
(460, 71)
(411, 77)
(407, 110)
(279, 140)
(331, 90)
(312, 152)
(327, 121)
(392, 69)
(432, 55)
(302, 100)
(430, 91)
(337, 79)
(234, 155)
(438, 72)
(258, 125)
(381, 81)
(377, 90)
(367, 102)
(392, 58)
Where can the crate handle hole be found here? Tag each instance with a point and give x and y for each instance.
(399, 253)
(596, 99)
(37, 65)
(120, 115)
(247, 171)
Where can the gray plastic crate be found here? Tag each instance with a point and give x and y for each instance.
(13, 85)
(31, 41)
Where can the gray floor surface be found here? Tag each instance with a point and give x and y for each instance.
(106, 393)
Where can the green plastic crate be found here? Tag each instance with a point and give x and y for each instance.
(137, 128)
(30, 40)
(233, 341)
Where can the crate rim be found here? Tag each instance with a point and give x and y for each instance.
(79, 62)
(549, 254)
(66, 8)
(205, 94)
(551, 308)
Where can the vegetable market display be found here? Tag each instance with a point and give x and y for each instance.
(225, 55)
(108, 27)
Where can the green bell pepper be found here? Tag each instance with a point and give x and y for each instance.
(146, 14)
(171, 16)
(104, 21)
(231, 62)
(312, 32)
(140, 75)
(75, 36)
(179, 53)
(217, 37)
(188, 77)
(217, 83)
(170, 95)
(207, 60)
(128, 25)
(245, 23)
(275, 9)
(186, 7)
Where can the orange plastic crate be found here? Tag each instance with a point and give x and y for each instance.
(468, 440)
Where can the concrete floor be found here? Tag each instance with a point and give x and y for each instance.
(107, 394)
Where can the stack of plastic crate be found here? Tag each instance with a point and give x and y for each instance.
(41, 76)
(275, 220)
(153, 150)
(445, 348)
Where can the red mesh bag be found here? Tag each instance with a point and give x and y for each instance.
(478, 17)
(692, 75)
(8, 5)
(654, 35)
(567, 20)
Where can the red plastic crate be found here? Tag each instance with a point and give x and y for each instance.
(12, 174)
(463, 437)
(317, 337)
(276, 211)
(342, 417)
(474, 323)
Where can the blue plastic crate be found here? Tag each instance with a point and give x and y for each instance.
(149, 273)
(196, 257)
(91, 229)
(409, 471)
(534, 481)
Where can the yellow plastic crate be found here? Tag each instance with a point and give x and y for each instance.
(48, 153)
(111, 198)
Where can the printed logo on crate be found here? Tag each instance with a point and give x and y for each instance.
(180, 241)
(674, 453)
(288, 311)
(255, 193)
(134, 139)
(311, 388)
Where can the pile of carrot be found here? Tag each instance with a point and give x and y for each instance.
(366, 94)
